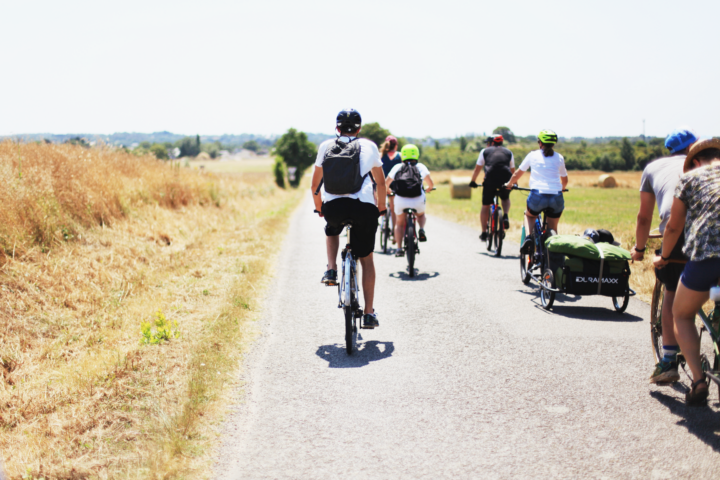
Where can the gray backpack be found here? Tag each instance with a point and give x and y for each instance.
(341, 168)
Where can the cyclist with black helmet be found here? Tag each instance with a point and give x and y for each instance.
(406, 180)
(346, 170)
(548, 178)
(499, 164)
(657, 186)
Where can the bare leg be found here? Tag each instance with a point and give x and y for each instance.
(529, 222)
(421, 219)
(484, 217)
(333, 246)
(506, 205)
(687, 303)
(392, 209)
(367, 267)
(400, 229)
(553, 223)
(668, 321)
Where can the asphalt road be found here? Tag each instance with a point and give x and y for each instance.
(467, 377)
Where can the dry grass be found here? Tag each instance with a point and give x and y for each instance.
(80, 397)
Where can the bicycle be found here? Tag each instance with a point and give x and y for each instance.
(537, 258)
(348, 293)
(386, 227)
(495, 226)
(411, 238)
(710, 323)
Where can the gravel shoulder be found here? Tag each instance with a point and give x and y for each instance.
(467, 376)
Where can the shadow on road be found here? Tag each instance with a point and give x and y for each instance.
(501, 257)
(598, 314)
(416, 278)
(700, 421)
(367, 352)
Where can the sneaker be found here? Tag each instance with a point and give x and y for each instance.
(506, 222)
(698, 394)
(399, 252)
(330, 278)
(527, 245)
(370, 320)
(421, 235)
(483, 236)
(665, 372)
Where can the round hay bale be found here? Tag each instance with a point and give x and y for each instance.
(607, 181)
(460, 187)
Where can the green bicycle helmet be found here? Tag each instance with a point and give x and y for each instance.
(548, 136)
(409, 152)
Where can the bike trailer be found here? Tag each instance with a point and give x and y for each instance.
(582, 267)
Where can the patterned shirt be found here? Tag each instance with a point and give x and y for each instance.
(699, 190)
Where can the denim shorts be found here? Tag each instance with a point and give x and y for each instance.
(701, 276)
(552, 203)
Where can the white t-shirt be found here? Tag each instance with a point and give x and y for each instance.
(369, 158)
(545, 172)
(481, 159)
(424, 172)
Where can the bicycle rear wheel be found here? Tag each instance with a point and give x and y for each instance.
(525, 266)
(499, 232)
(384, 232)
(489, 230)
(547, 297)
(656, 320)
(350, 330)
(410, 247)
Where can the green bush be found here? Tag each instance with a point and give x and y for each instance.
(296, 151)
(280, 172)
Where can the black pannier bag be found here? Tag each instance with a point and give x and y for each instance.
(580, 277)
(341, 168)
(408, 181)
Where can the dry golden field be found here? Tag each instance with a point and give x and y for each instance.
(97, 245)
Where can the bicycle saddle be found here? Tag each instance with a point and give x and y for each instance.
(409, 210)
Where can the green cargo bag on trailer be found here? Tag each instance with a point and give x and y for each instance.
(576, 262)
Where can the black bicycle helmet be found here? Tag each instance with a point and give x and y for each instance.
(592, 235)
(348, 121)
(489, 141)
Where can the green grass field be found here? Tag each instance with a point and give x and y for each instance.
(585, 207)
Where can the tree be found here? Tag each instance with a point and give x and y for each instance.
(373, 131)
(296, 151)
(627, 154)
(251, 145)
(507, 134)
(188, 146)
(463, 143)
(159, 151)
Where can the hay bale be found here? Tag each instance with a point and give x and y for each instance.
(460, 187)
(607, 181)
(203, 156)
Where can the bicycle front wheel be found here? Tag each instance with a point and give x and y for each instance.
(656, 320)
(525, 266)
(410, 248)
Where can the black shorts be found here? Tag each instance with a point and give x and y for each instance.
(489, 192)
(669, 275)
(364, 217)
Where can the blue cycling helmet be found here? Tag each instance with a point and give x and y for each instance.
(680, 139)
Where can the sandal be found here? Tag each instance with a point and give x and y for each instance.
(698, 394)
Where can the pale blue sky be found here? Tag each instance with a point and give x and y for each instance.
(441, 68)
